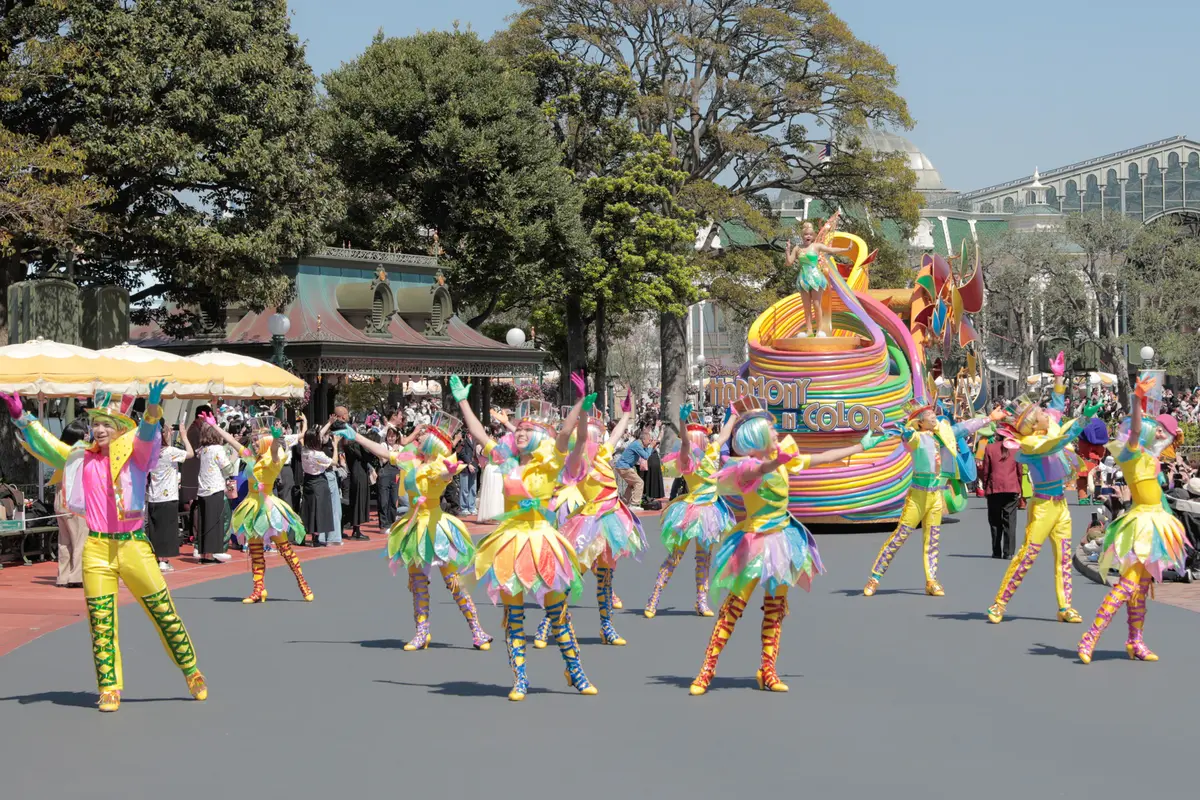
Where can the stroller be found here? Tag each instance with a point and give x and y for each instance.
(1188, 512)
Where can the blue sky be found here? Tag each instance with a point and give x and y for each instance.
(996, 88)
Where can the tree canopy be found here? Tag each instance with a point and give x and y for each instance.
(435, 132)
(198, 119)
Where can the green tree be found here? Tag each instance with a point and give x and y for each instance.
(1164, 287)
(1102, 269)
(45, 198)
(199, 118)
(740, 89)
(435, 132)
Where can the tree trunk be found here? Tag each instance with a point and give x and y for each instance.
(672, 332)
(16, 466)
(576, 348)
(600, 384)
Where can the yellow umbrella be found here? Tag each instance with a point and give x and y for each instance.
(185, 378)
(50, 369)
(243, 376)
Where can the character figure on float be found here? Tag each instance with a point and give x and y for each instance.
(262, 517)
(1148, 538)
(526, 553)
(105, 481)
(700, 515)
(427, 538)
(811, 280)
(769, 547)
(933, 444)
(1043, 449)
(592, 515)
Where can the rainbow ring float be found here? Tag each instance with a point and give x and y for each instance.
(868, 358)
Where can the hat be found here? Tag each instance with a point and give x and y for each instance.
(444, 425)
(695, 422)
(749, 407)
(109, 409)
(1169, 424)
(915, 408)
(539, 413)
(1193, 487)
(1020, 412)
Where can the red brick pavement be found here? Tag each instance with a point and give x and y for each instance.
(31, 605)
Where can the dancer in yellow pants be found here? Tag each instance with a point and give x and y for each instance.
(105, 483)
(1042, 444)
(933, 444)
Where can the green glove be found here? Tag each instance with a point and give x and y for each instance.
(276, 432)
(457, 389)
(1091, 409)
(872, 439)
(589, 402)
(685, 411)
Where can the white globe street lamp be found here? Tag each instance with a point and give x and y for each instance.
(278, 326)
(515, 337)
(1147, 353)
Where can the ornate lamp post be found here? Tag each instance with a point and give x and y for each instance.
(278, 325)
(1147, 354)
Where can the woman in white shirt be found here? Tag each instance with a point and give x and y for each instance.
(162, 500)
(316, 505)
(210, 497)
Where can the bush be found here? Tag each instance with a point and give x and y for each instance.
(504, 395)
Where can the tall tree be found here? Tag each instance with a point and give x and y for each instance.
(1163, 276)
(739, 88)
(199, 119)
(1102, 268)
(436, 132)
(45, 197)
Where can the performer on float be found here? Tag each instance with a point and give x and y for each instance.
(263, 517)
(105, 482)
(933, 445)
(1042, 449)
(769, 547)
(701, 515)
(427, 537)
(811, 281)
(601, 528)
(526, 553)
(1148, 538)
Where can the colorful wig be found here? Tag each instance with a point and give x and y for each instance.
(753, 436)
(432, 447)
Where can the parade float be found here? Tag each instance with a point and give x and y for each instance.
(879, 351)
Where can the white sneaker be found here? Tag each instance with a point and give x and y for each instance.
(820, 334)
(164, 566)
(222, 556)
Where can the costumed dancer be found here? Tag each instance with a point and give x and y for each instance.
(526, 553)
(427, 537)
(263, 517)
(1090, 447)
(1042, 445)
(933, 445)
(810, 280)
(105, 483)
(1148, 538)
(769, 547)
(700, 515)
(601, 529)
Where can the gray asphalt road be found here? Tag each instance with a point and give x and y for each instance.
(899, 695)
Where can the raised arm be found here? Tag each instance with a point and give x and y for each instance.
(39, 442)
(685, 448)
(460, 393)
(564, 433)
(623, 423)
(190, 452)
(376, 449)
(579, 451)
(833, 251)
(417, 430)
(502, 417)
(870, 440)
(726, 430)
(1140, 392)
(303, 425)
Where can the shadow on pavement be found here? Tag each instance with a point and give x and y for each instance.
(968, 555)
(669, 612)
(82, 699)
(239, 599)
(979, 616)
(878, 592)
(718, 683)
(1040, 649)
(383, 644)
(471, 689)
